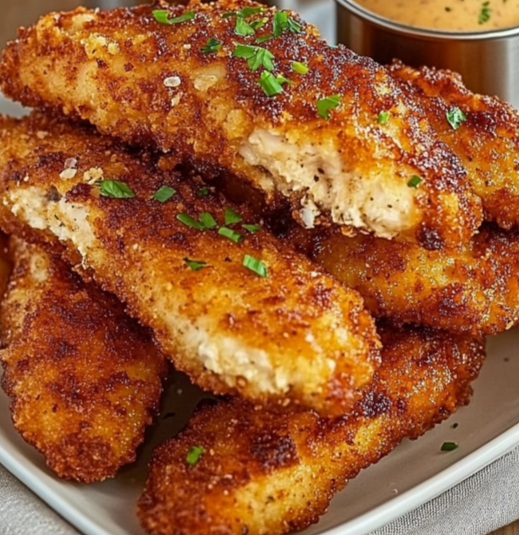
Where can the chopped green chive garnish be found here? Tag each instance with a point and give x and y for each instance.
(232, 217)
(300, 68)
(252, 228)
(257, 24)
(243, 28)
(194, 454)
(244, 51)
(283, 23)
(484, 15)
(163, 194)
(455, 117)
(270, 84)
(231, 234)
(263, 38)
(282, 80)
(255, 265)
(414, 181)
(245, 12)
(383, 117)
(261, 58)
(249, 11)
(208, 220)
(203, 192)
(116, 190)
(212, 45)
(195, 265)
(293, 26)
(190, 222)
(326, 104)
(161, 15)
(255, 56)
(449, 446)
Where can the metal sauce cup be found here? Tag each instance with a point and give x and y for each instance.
(488, 61)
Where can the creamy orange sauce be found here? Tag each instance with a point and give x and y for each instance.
(450, 15)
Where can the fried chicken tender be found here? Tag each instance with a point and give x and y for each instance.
(84, 379)
(5, 265)
(263, 472)
(317, 142)
(282, 331)
(472, 289)
(486, 139)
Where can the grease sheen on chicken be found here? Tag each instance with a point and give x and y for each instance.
(263, 472)
(149, 82)
(296, 335)
(84, 379)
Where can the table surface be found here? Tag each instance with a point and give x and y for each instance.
(512, 529)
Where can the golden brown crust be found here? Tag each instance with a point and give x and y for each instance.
(486, 142)
(296, 335)
(472, 289)
(111, 68)
(265, 472)
(84, 379)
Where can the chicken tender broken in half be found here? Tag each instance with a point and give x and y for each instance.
(482, 131)
(228, 302)
(233, 85)
(83, 378)
(263, 472)
(473, 288)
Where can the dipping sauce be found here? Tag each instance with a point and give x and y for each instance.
(448, 15)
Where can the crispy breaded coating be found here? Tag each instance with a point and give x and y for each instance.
(84, 379)
(486, 138)
(5, 266)
(293, 335)
(472, 289)
(263, 472)
(199, 88)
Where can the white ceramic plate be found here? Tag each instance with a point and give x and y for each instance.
(413, 474)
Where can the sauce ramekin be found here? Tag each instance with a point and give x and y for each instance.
(488, 61)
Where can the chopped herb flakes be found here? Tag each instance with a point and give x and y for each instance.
(449, 446)
(244, 27)
(326, 104)
(203, 192)
(190, 222)
(208, 220)
(212, 45)
(194, 454)
(232, 217)
(263, 38)
(244, 13)
(383, 117)
(252, 228)
(484, 15)
(256, 56)
(282, 23)
(455, 117)
(163, 194)
(270, 84)
(257, 266)
(195, 265)
(231, 234)
(300, 68)
(161, 15)
(115, 189)
(414, 181)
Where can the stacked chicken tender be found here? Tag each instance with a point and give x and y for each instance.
(215, 186)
